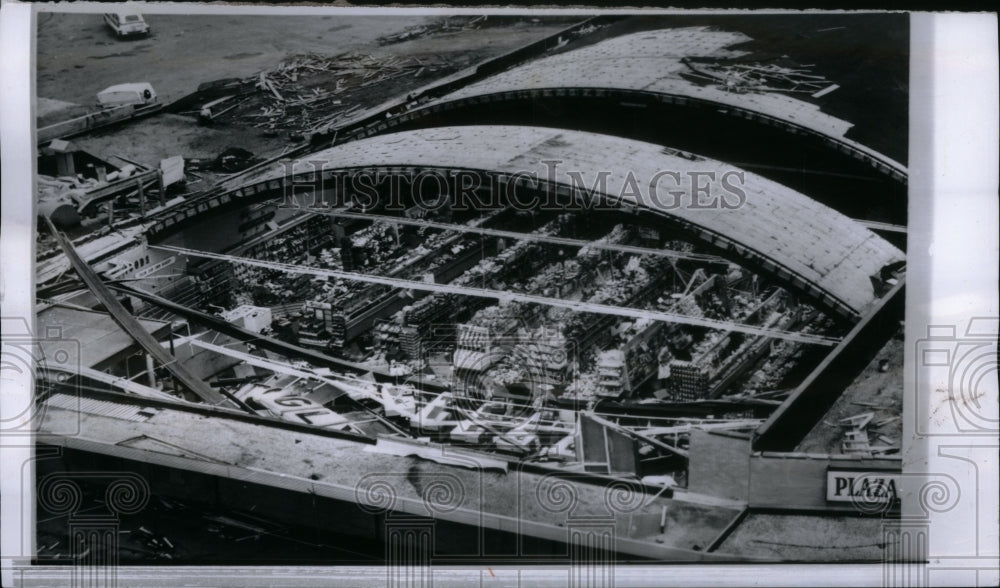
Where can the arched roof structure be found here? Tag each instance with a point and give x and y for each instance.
(652, 62)
(783, 233)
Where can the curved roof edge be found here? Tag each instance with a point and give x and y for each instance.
(786, 233)
(652, 62)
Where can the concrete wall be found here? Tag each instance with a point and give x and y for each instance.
(341, 524)
(793, 420)
(791, 481)
(204, 363)
(719, 465)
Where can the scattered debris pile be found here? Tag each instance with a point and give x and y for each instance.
(443, 25)
(71, 187)
(230, 160)
(743, 77)
(467, 22)
(307, 94)
(64, 198)
(865, 436)
(311, 93)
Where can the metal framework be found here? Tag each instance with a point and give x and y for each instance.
(523, 236)
(880, 226)
(578, 306)
(57, 373)
(135, 329)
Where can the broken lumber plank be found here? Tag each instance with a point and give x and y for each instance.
(859, 421)
(275, 92)
(884, 422)
(826, 91)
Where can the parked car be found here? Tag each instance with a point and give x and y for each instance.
(126, 23)
(140, 93)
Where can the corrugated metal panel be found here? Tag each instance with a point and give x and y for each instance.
(105, 408)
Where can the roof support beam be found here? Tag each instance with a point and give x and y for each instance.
(880, 226)
(135, 329)
(511, 296)
(521, 235)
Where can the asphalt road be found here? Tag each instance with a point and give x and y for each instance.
(78, 56)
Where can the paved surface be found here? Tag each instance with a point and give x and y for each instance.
(78, 55)
(809, 538)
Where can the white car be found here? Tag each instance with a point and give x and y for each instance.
(135, 93)
(126, 23)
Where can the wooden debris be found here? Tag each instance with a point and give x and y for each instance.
(869, 404)
(859, 421)
(825, 91)
(768, 77)
(295, 104)
(254, 536)
(884, 422)
(857, 440)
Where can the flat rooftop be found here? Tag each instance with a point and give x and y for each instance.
(505, 498)
(101, 341)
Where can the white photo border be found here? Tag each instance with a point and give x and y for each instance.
(952, 279)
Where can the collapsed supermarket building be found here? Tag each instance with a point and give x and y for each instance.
(661, 360)
(826, 255)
